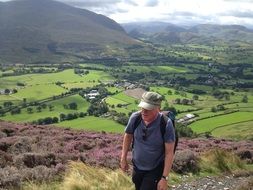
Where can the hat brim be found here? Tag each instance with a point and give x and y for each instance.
(146, 105)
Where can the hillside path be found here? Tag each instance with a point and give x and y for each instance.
(217, 183)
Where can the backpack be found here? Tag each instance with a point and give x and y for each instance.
(165, 116)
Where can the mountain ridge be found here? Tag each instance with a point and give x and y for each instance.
(202, 33)
(42, 30)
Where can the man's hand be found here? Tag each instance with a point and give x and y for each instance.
(162, 184)
(124, 165)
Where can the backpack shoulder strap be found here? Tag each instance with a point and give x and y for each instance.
(163, 123)
(137, 121)
(136, 124)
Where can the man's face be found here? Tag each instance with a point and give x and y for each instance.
(149, 115)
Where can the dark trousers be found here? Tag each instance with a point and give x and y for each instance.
(147, 180)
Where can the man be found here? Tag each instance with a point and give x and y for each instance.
(152, 154)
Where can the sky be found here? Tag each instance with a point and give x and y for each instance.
(182, 12)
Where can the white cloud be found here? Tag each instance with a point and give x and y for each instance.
(179, 11)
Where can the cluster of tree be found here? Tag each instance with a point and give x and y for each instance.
(219, 107)
(71, 116)
(40, 107)
(20, 84)
(220, 95)
(46, 121)
(10, 91)
(15, 111)
(98, 109)
(184, 101)
(121, 118)
(27, 70)
(245, 99)
(72, 106)
(184, 131)
(80, 71)
(7, 104)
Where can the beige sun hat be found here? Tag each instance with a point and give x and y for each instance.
(150, 100)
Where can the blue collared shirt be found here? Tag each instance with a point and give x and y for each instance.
(148, 153)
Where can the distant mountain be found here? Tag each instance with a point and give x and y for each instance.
(44, 30)
(202, 34)
(145, 27)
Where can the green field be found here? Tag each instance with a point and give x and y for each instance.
(66, 76)
(42, 87)
(159, 69)
(237, 131)
(58, 108)
(128, 103)
(208, 125)
(38, 92)
(93, 124)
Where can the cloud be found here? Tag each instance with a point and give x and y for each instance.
(90, 3)
(152, 3)
(180, 11)
(241, 1)
(131, 2)
(239, 14)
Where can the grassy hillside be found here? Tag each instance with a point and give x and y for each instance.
(52, 31)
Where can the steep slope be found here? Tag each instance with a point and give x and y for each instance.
(45, 29)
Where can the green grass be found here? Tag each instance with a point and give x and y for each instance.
(114, 89)
(37, 92)
(217, 161)
(159, 69)
(12, 98)
(81, 84)
(114, 101)
(58, 108)
(121, 98)
(94, 124)
(237, 131)
(210, 124)
(66, 76)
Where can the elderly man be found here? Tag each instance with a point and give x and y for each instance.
(152, 151)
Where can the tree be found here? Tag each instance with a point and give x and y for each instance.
(29, 110)
(44, 106)
(195, 97)
(220, 107)
(55, 119)
(7, 91)
(62, 117)
(213, 109)
(8, 104)
(177, 101)
(16, 111)
(72, 106)
(51, 107)
(245, 99)
(38, 109)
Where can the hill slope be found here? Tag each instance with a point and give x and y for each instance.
(37, 30)
(201, 34)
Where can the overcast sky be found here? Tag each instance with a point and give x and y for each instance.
(184, 12)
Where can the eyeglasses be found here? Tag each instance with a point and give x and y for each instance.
(144, 134)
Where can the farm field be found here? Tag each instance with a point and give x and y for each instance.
(237, 131)
(159, 69)
(93, 124)
(58, 108)
(66, 76)
(210, 124)
(43, 87)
